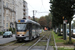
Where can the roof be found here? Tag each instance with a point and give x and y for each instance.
(28, 21)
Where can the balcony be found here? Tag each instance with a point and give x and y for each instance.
(23, 5)
(23, 9)
(24, 13)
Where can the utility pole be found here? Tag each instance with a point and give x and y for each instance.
(37, 12)
(33, 16)
(64, 28)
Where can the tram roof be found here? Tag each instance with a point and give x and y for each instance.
(27, 21)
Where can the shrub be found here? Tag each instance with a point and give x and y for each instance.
(13, 30)
(1, 33)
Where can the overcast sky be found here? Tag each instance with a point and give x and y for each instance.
(39, 6)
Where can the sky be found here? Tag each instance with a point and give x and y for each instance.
(40, 7)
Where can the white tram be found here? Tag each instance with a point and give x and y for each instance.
(26, 29)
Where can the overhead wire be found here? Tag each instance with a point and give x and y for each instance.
(42, 6)
(30, 6)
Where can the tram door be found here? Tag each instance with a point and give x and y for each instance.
(30, 31)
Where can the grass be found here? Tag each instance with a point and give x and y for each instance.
(51, 43)
(41, 43)
(59, 40)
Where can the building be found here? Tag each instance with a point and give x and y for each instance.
(10, 11)
(25, 9)
(7, 14)
(1, 15)
(19, 9)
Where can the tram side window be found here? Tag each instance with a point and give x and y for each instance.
(33, 26)
(29, 26)
(36, 28)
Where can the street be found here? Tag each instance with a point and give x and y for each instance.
(41, 45)
(6, 40)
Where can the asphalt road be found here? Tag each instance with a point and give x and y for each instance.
(6, 40)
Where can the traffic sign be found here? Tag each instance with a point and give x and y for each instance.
(64, 21)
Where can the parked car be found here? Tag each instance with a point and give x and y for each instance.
(67, 31)
(7, 34)
(73, 32)
(61, 31)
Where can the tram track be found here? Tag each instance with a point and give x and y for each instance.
(19, 46)
(35, 43)
(22, 45)
(45, 47)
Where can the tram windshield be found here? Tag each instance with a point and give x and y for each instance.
(21, 27)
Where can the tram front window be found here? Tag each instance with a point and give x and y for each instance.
(21, 27)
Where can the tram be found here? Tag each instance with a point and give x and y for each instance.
(26, 29)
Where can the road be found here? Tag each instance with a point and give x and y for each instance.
(6, 40)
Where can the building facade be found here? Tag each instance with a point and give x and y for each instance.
(1, 15)
(10, 11)
(25, 9)
(19, 9)
(8, 14)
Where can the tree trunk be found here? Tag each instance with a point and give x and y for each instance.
(59, 29)
(69, 30)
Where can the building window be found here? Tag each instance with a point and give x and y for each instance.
(7, 4)
(7, 11)
(13, 2)
(0, 17)
(6, 24)
(3, 2)
(7, 17)
(0, 10)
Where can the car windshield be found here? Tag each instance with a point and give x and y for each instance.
(21, 27)
(67, 29)
(61, 29)
(74, 31)
(6, 33)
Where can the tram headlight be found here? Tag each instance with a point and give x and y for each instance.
(20, 35)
